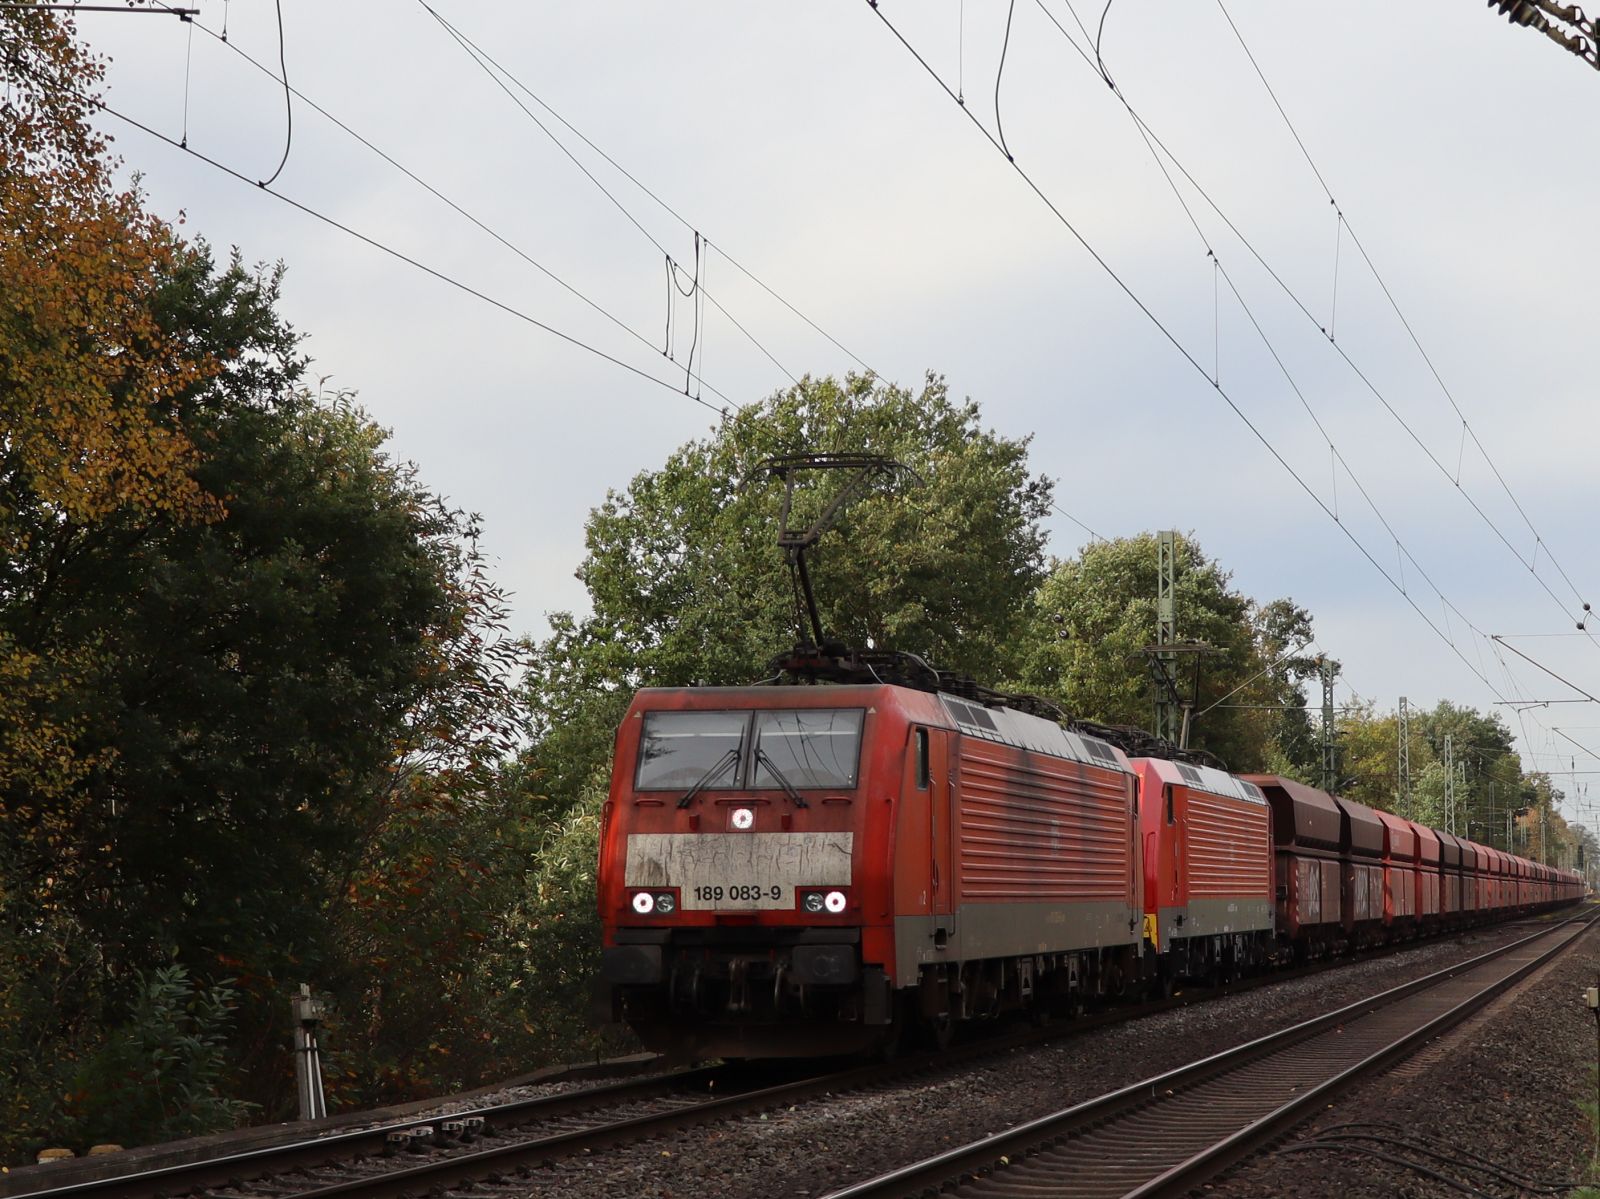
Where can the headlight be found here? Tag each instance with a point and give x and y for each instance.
(812, 902)
(665, 902)
(644, 903)
(743, 818)
(834, 902)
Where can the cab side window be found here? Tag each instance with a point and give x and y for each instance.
(922, 760)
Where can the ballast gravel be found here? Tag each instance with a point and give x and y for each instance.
(817, 1147)
(1496, 1107)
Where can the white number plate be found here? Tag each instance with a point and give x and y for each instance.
(723, 872)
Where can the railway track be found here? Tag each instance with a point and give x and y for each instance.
(509, 1140)
(1166, 1135)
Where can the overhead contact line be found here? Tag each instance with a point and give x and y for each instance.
(1216, 386)
(401, 256)
(457, 208)
(1406, 324)
(1153, 140)
(493, 70)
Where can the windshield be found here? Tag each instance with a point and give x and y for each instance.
(678, 748)
(806, 748)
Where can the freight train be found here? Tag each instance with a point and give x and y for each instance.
(818, 869)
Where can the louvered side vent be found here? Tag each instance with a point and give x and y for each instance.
(981, 718)
(1101, 750)
(958, 709)
(1039, 830)
(970, 716)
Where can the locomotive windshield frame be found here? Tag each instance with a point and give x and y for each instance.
(807, 748)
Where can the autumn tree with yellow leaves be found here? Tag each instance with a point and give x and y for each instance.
(88, 379)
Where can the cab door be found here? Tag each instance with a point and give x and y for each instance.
(941, 792)
(912, 854)
(924, 884)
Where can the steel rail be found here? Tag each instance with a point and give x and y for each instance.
(996, 1164)
(1193, 1171)
(340, 1149)
(181, 1177)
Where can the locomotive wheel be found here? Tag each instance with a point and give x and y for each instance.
(940, 1031)
(895, 1039)
(898, 1036)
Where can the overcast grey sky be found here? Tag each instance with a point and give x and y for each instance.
(806, 142)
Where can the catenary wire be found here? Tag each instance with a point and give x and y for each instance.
(473, 219)
(405, 258)
(631, 178)
(447, 201)
(487, 61)
(1377, 393)
(1406, 324)
(490, 69)
(1005, 46)
(1480, 636)
(1558, 678)
(1183, 350)
(288, 106)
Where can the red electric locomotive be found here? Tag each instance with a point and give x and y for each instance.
(1207, 869)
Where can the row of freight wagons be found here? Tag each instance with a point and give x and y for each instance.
(1340, 871)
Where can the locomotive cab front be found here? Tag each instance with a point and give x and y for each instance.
(739, 893)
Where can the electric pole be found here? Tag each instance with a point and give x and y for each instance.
(1166, 634)
(1174, 710)
(1330, 755)
(1404, 758)
(1449, 785)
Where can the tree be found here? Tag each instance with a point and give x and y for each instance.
(688, 585)
(1489, 786)
(244, 655)
(264, 693)
(89, 379)
(1096, 614)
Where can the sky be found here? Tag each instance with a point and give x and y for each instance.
(1347, 345)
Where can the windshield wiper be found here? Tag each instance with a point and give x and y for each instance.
(731, 758)
(788, 788)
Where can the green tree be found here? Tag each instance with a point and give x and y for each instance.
(1489, 785)
(268, 692)
(1368, 758)
(160, 1075)
(688, 586)
(1096, 613)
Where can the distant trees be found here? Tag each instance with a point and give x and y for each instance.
(1095, 614)
(1492, 792)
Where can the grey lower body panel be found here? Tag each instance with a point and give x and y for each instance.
(1216, 917)
(976, 931)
